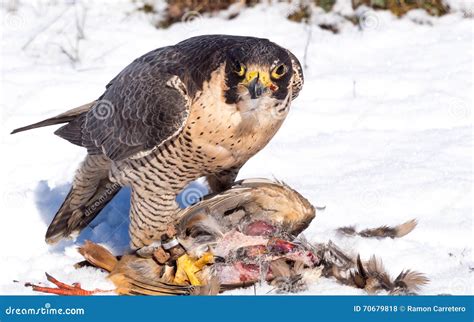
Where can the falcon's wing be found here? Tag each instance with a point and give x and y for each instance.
(144, 106)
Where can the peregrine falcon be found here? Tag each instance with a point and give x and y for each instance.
(200, 108)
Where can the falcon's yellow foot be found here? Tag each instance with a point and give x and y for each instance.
(187, 267)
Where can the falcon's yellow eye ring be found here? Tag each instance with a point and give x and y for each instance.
(279, 71)
(240, 70)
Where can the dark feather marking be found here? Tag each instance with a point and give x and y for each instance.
(62, 118)
(382, 231)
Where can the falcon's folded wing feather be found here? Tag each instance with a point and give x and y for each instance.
(142, 107)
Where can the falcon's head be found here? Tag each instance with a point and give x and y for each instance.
(257, 72)
(260, 71)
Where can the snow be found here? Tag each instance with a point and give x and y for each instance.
(381, 133)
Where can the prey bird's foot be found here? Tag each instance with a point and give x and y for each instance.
(63, 288)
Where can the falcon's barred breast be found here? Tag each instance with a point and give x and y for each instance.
(202, 107)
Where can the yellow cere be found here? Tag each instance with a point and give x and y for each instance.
(263, 76)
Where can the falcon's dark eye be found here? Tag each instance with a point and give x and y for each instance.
(239, 69)
(279, 71)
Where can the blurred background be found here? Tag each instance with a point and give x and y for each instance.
(380, 134)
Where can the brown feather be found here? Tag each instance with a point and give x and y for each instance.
(98, 256)
(280, 268)
(382, 231)
(411, 280)
(360, 276)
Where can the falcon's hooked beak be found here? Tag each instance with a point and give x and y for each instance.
(257, 82)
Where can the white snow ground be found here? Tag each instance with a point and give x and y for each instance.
(381, 133)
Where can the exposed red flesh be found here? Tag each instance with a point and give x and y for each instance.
(259, 228)
(281, 246)
(254, 251)
(248, 272)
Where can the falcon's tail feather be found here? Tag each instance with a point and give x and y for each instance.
(90, 193)
(59, 119)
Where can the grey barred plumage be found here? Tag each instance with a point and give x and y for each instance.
(202, 107)
(91, 191)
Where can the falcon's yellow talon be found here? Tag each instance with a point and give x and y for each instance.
(187, 267)
(206, 258)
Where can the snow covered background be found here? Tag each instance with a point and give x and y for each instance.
(381, 133)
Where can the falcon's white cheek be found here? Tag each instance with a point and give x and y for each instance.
(256, 105)
(249, 105)
(258, 114)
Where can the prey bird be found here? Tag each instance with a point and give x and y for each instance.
(241, 225)
(200, 108)
(247, 234)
